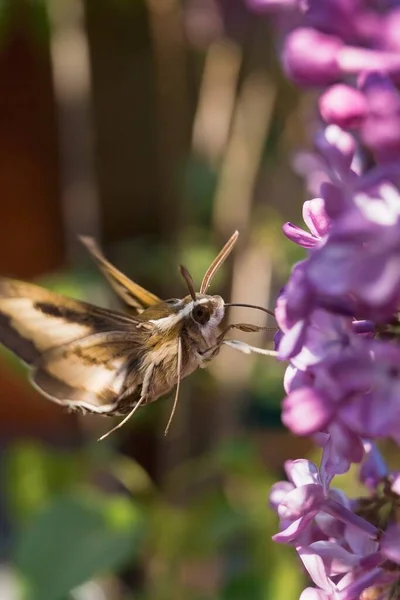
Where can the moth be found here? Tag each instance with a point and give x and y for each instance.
(107, 362)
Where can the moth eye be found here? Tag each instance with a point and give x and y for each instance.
(201, 314)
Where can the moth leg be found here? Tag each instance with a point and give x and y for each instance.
(208, 354)
(247, 327)
(178, 385)
(142, 400)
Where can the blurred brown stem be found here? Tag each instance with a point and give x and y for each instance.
(72, 85)
(172, 109)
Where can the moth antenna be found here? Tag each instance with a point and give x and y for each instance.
(269, 312)
(217, 262)
(141, 400)
(178, 385)
(189, 281)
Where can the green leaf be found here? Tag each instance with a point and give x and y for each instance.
(6, 20)
(73, 540)
(245, 586)
(39, 20)
(34, 474)
(286, 578)
(200, 182)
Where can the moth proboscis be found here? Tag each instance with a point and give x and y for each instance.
(103, 361)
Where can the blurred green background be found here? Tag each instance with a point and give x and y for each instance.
(159, 127)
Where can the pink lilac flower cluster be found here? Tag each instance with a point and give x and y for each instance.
(352, 49)
(339, 313)
(348, 554)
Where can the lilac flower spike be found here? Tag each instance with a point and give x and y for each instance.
(343, 553)
(339, 312)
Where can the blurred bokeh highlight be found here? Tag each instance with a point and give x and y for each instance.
(159, 127)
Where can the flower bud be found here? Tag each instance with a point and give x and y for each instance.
(344, 106)
(309, 57)
(272, 5)
(381, 130)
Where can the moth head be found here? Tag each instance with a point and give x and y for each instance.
(207, 311)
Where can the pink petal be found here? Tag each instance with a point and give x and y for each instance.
(303, 472)
(315, 217)
(278, 492)
(314, 594)
(360, 542)
(299, 236)
(294, 530)
(292, 342)
(390, 544)
(306, 411)
(301, 501)
(315, 567)
(337, 560)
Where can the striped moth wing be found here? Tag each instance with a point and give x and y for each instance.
(132, 294)
(80, 355)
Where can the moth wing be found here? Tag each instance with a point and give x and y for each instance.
(90, 374)
(134, 295)
(34, 320)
